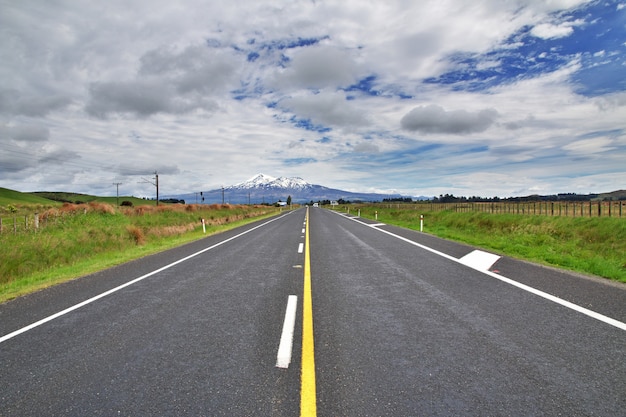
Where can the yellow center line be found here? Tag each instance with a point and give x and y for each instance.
(308, 402)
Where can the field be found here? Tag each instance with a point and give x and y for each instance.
(591, 245)
(70, 240)
(45, 242)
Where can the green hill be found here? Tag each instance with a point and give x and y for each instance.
(76, 198)
(8, 196)
(48, 198)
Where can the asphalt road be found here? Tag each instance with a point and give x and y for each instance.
(401, 328)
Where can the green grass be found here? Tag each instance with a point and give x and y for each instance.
(78, 239)
(86, 198)
(48, 198)
(16, 198)
(595, 246)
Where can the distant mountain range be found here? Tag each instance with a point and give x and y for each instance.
(266, 189)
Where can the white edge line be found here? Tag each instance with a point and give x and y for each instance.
(283, 358)
(134, 281)
(550, 297)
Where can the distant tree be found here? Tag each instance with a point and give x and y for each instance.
(289, 200)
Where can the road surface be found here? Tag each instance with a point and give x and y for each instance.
(318, 313)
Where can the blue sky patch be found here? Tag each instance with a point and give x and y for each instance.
(601, 44)
(325, 139)
(298, 161)
(307, 124)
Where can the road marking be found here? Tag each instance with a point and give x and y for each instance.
(377, 224)
(302, 231)
(283, 358)
(480, 260)
(550, 297)
(308, 401)
(134, 281)
(301, 247)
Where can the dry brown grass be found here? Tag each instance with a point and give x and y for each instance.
(136, 234)
(103, 208)
(72, 209)
(165, 231)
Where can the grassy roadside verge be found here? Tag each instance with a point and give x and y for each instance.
(595, 246)
(82, 239)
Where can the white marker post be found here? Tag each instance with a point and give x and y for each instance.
(421, 222)
(203, 227)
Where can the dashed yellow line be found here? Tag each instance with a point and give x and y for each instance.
(308, 401)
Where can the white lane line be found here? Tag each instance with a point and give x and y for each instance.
(136, 280)
(301, 247)
(550, 297)
(283, 358)
(302, 231)
(480, 260)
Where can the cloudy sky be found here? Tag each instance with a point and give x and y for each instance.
(488, 97)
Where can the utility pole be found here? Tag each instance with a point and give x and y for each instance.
(222, 194)
(156, 184)
(117, 185)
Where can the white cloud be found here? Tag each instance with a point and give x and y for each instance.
(25, 133)
(317, 67)
(435, 119)
(328, 109)
(555, 31)
(550, 31)
(340, 93)
(588, 147)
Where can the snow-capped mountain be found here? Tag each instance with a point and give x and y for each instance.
(266, 181)
(267, 189)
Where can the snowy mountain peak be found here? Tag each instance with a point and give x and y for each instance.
(257, 180)
(266, 181)
(294, 182)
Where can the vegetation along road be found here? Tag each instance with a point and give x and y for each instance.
(314, 312)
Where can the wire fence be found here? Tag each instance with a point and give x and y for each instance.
(538, 208)
(23, 223)
(33, 222)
